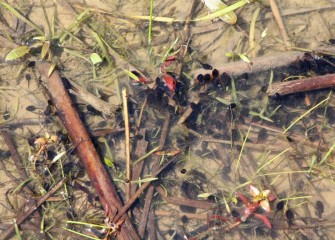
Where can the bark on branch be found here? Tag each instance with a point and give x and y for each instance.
(85, 149)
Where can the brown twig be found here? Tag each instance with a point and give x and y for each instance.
(301, 85)
(145, 211)
(85, 148)
(24, 121)
(20, 167)
(140, 150)
(149, 194)
(185, 202)
(140, 191)
(280, 23)
(26, 214)
(151, 226)
(228, 142)
(178, 214)
(15, 155)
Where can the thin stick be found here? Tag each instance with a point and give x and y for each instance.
(260, 147)
(33, 208)
(145, 211)
(279, 21)
(127, 132)
(301, 85)
(140, 150)
(148, 197)
(185, 201)
(13, 123)
(142, 111)
(15, 155)
(140, 191)
(252, 33)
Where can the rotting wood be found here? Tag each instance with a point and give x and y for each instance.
(85, 149)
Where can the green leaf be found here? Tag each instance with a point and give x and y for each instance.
(17, 53)
(131, 75)
(51, 69)
(222, 12)
(108, 162)
(102, 47)
(244, 58)
(95, 58)
(229, 54)
(22, 18)
(216, 5)
(223, 101)
(204, 195)
(45, 49)
(40, 38)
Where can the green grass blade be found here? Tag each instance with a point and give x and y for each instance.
(157, 19)
(169, 50)
(81, 234)
(327, 154)
(271, 160)
(150, 22)
(22, 18)
(146, 155)
(306, 113)
(242, 148)
(222, 12)
(102, 47)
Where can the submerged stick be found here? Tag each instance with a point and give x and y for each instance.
(85, 149)
(140, 191)
(301, 85)
(263, 63)
(32, 209)
(280, 23)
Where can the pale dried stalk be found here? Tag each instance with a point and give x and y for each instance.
(280, 23)
(127, 141)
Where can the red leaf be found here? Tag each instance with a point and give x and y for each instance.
(265, 220)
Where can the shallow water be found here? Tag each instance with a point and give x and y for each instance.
(234, 137)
